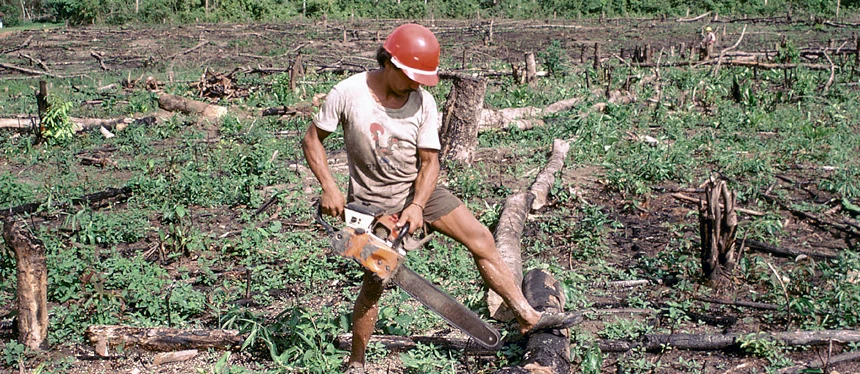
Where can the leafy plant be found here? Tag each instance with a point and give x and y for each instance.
(56, 123)
(428, 359)
(13, 352)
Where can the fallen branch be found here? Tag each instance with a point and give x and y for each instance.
(680, 196)
(187, 51)
(21, 46)
(694, 19)
(745, 304)
(30, 71)
(723, 52)
(86, 199)
(783, 252)
(36, 61)
(98, 58)
(832, 73)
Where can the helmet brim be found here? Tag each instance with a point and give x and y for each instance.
(427, 78)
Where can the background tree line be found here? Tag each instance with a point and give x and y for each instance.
(116, 12)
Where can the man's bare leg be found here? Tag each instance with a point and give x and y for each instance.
(463, 227)
(364, 315)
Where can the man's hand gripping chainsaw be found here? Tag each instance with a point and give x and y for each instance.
(372, 239)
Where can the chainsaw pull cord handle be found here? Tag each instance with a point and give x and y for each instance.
(398, 241)
(319, 218)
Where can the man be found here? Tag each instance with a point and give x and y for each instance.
(392, 143)
(707, 44)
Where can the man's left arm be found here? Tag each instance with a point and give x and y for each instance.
(425, 183)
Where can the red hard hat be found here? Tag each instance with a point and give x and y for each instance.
(415, 50)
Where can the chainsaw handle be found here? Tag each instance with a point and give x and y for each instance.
(329, 229)
(398, 241)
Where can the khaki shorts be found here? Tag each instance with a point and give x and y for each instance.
(441, 203)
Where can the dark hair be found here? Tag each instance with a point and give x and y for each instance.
(382, 56)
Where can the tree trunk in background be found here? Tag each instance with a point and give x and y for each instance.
(718, 225)
(459, 130)
(32, 291)
(546, 352)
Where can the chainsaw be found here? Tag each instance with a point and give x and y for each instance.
(372, 239)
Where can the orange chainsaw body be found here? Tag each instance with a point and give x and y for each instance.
(368, 250)
(368, 240)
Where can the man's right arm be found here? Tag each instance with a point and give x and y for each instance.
(332, 201)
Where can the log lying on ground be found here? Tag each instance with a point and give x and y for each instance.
(508, 235)
(80, 124)
(546, 178)
(173, 103)
(546, 352)
(509, 230)
(706, 342)
(162, 339)
(32, 289)
(89, 199)
(523, 118)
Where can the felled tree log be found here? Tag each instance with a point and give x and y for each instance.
(459, 129)
(718, 224)
(546, 352)
(163, 339)
(508, 236)
(546, 178)
(522, 118)
(80, 124)
(509, 230)
(173, 103)
(32, 290)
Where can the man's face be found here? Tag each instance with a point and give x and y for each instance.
(400, 83)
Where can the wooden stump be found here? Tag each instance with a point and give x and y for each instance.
(32, 291)
(531, 67)
(460, 117)
(718, 225)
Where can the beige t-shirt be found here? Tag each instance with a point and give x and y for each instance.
(381, 143)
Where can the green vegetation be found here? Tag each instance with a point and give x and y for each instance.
(114, 12)
(187, 248)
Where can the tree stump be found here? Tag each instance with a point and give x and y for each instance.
(531, 67)
(32, 291)
(460, 117)
(718, 225)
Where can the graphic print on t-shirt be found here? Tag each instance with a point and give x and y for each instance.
(384, 145)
